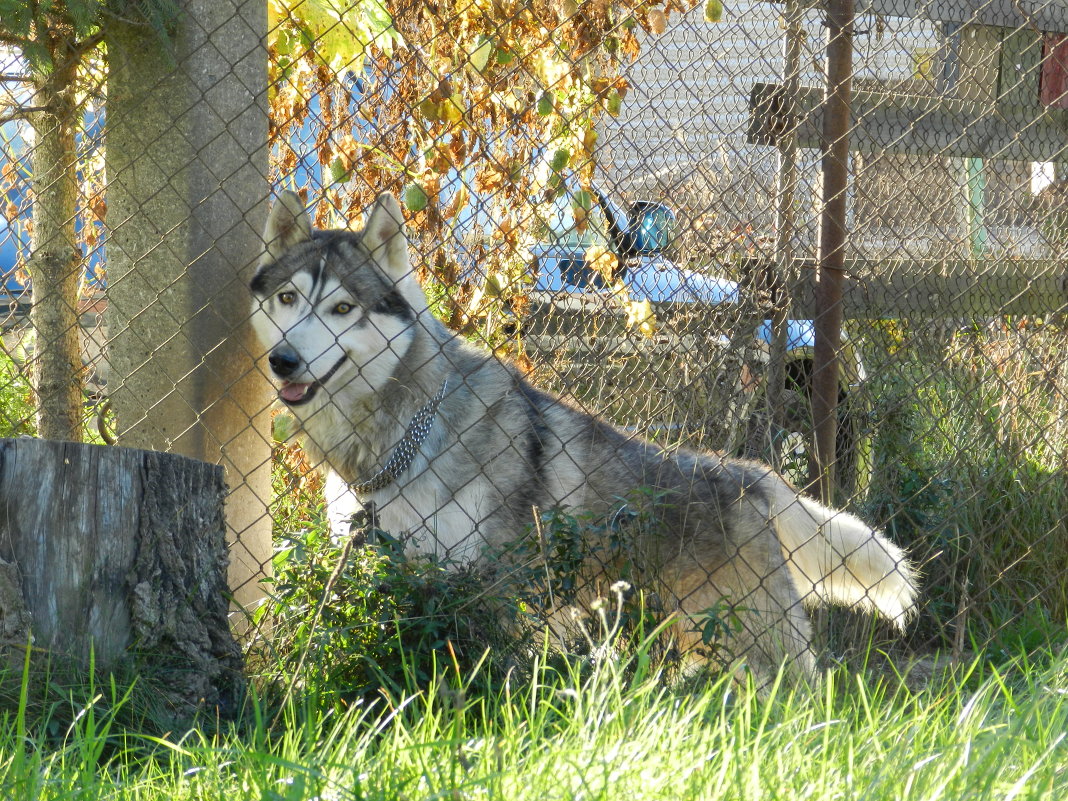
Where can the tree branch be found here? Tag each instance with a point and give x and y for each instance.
(79, 49)
(20, 113)
(14, 41)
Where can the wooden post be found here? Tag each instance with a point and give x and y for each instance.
(828, 320)
(120, 550)
(785, 189)
(971, 73)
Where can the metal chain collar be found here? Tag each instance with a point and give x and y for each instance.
(404, 453)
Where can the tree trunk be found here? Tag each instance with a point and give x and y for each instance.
(120, 552)
(54, 263)
(186, 165)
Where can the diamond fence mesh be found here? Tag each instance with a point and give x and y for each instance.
(621, 203)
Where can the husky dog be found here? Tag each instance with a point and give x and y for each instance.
(457, 449)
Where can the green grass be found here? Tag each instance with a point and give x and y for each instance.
(605, 733)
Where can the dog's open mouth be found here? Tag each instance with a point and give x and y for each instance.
(297, 394)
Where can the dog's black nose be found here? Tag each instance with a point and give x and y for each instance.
(284, 361)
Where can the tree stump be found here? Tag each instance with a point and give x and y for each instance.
(119, 553)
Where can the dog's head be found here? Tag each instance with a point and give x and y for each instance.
(334, 309)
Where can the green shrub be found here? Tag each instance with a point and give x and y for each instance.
(18, 407)
(16, 399)
(345, 621)
(969, 476)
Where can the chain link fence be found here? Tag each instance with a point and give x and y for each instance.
(624, 201)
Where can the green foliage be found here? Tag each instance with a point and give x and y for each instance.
(17, 16)
(58, 703)
(161, 15)
(339, 33)
(49, 28)
(18, 408)
(16, 398)
(1032, 633)
(387, 620)
(568, 556)
(719, 622)
(350, 621)
(968, 476)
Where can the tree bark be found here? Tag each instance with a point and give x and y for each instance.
(187, 191)
(120, 552)
(55, 261)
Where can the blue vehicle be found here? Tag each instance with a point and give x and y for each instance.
(573, 295)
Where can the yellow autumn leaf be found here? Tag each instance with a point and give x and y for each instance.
(549, 70)
(657, 21)
(275, 13)
(603, 262)
(496, 284)
(480, 54)
(640, 315)
(452, 109)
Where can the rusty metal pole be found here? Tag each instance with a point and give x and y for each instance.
(828, 322)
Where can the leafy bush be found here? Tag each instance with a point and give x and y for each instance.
(18, 407)
(348, 619)
(16, 398)
(969, 477)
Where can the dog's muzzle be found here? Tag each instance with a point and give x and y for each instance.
(284, 361)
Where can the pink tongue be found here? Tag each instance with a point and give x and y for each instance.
(293, 392)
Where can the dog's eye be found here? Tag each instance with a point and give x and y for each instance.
(287, 298)
(343, 308)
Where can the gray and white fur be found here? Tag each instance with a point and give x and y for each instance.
(356, 354)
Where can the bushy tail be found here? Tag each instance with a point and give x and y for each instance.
(835, 557)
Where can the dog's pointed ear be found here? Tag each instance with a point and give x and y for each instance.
(288, 224)
(384, 236)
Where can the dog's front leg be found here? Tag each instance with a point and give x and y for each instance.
(341, 506)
